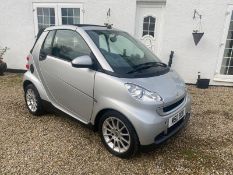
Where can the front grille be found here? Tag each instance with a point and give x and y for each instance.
(172, 106)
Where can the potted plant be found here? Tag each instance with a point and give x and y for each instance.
(3, 65)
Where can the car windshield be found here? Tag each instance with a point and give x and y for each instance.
(125, 54)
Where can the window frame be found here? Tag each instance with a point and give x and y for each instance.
(218, 76)
(96, 64)
(70, 5)
(91, 53)
(43, 5)
(57, 9)
(148, 30)
(42, 46)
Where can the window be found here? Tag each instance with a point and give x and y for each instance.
(50, 14)
(149, 26)
(119, 45)
(69, 45)
(46, 17)
(227, 63)
(47, 46)
(123, 52)
(70, 15)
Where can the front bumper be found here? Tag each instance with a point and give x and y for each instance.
(156, 130)
(165, 135)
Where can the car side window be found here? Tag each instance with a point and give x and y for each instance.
(69, 45)
(47, 46)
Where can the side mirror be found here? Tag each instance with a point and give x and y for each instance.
(82, 62)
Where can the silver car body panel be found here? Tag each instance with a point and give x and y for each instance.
(82, 93)
(111, 93)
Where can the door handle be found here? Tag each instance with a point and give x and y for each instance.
(42, 56)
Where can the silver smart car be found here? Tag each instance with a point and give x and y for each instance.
(105, 78)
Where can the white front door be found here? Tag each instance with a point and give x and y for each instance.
(148, 25)
(50, 14)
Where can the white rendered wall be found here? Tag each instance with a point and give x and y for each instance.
(16, 31)
(177, 35)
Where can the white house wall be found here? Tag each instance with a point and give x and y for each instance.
(16, 31)
(177, 35)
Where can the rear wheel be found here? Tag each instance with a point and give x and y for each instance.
(118, 134)
(33, 100)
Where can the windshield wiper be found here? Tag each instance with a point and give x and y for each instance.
(146, 66)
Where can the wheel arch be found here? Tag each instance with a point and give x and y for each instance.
(100, 114)
(26, 83)
(30, 78)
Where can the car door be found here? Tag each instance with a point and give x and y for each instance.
(69, 88)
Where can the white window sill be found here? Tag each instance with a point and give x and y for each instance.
(223, 78)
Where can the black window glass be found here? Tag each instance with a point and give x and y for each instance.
(69, 45)
(227, 62)
(228, 53)
(70, 15)
(149, 26)
(46, 11)
(229, 44)
(123, 52)
(152, 20)
(146, 19)
(145, 26)
(231, 25)
(47, 46)
(223, 70)
(230, 71)
(230, 35)
(46, 17)
(64, 11)
(151, 33)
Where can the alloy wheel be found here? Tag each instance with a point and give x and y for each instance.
(116, 134)
(31, 100)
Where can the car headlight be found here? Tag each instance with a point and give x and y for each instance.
(142, 94)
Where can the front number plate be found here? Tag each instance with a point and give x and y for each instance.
(173, 120)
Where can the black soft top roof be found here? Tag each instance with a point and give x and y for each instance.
(88, 25)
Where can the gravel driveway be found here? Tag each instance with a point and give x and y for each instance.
(58, 144)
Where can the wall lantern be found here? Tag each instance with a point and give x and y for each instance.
(197, 34)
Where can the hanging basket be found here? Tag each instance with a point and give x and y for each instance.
(197, 36)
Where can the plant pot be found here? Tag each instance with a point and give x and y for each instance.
(3, 67)
(203, 83)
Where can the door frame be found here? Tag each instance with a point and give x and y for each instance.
(160, 5)
(57, 8)
(218, 76)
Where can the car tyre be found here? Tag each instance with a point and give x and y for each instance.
(118, 135)
(33, 100)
